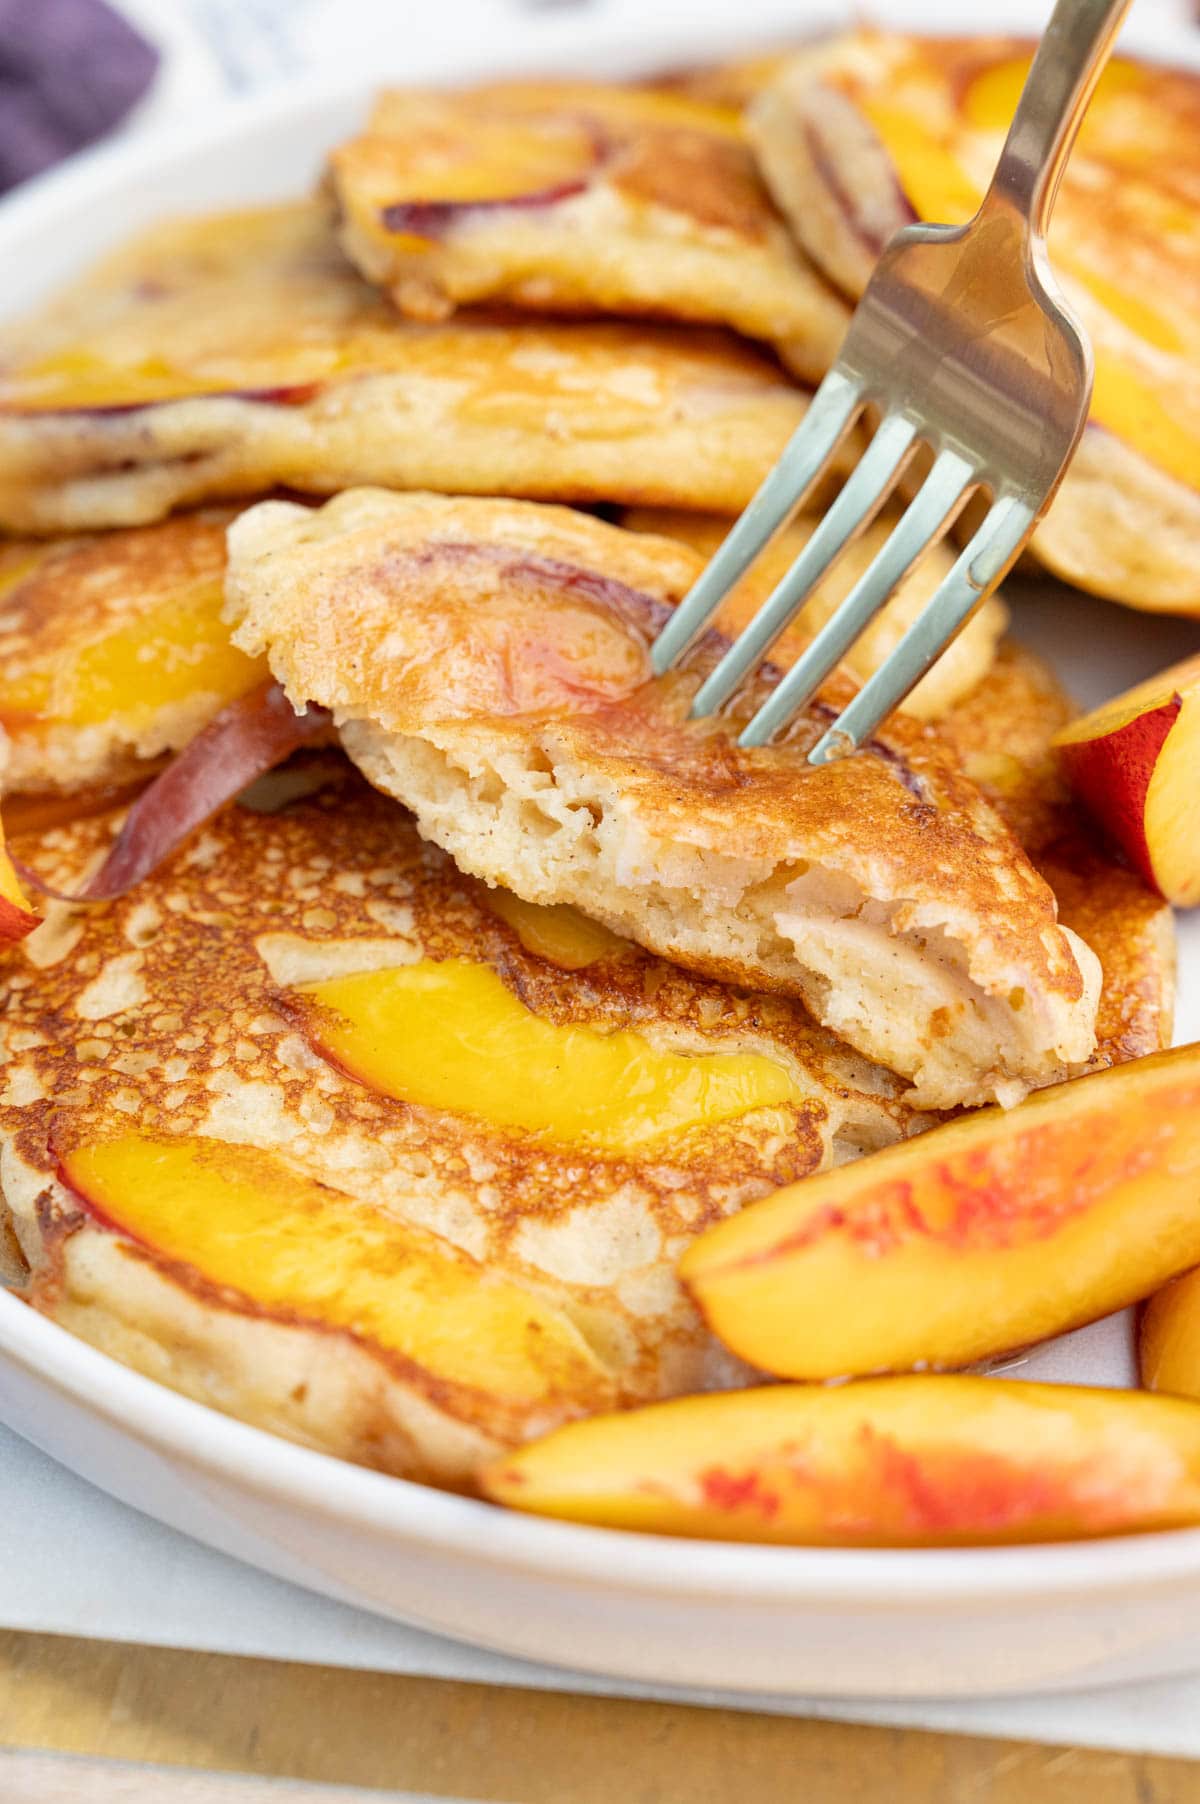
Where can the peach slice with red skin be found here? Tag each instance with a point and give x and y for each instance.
(891, 1462)
(984, 1235)
(1135, 765)
(17, 918)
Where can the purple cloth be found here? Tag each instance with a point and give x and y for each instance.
(69, 71)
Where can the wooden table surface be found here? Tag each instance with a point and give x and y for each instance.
(93, 1722)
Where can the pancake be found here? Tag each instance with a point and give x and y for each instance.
(860, 137)
(566, 197)
(963, 664)
(414, 1265)
(732, 83)
(1002, 734)
(487, 664)
(114, 651)
(231, 354)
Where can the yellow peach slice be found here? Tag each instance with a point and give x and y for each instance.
(450, 1035)
(1135, 765)
(554, 930)
(1169, 1338)
(890, 1462)
(179, 648)
(258, 1235)
(994, 1231)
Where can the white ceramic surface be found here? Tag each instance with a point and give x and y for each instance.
(795, 1621)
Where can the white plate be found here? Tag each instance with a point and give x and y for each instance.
(798, 1621)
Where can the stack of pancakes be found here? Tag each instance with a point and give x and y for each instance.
(379, 1111)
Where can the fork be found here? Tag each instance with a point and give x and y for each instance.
(961, 343)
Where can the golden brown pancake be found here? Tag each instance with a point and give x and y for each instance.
(1002, 732)
(961, 666)
(409, 1267)
(487, 663)
(733, 83)
(113, 651)
(228, 355)
(861, 136)
(565, 197)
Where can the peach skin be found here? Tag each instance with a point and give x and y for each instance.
(17, 918)
(989, 1233)
(1135, 765)
(1169, 1338)
(889, 1462)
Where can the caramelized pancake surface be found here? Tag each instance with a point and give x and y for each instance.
(114, 651)
(564, 197)
(239, 352)
(179, 1090)
(861, 136)
(487, 663)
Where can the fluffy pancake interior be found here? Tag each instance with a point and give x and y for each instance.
(487, 664)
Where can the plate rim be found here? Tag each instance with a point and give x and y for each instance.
(357, 1497)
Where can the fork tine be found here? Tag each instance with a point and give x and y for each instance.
(831, 410)
(988, 555)
(922, 521)
(864, 490)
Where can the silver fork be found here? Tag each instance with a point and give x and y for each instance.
(963, 343)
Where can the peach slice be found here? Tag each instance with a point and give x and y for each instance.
(499, 163)
(17, 918)
(178, 648)
(1135, 765)
(554, 930)
(240, 1224)
(450, 1035)
(994, 1231)
(890, 1462)
(1169, 1338)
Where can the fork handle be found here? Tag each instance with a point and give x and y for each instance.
(1069, 62)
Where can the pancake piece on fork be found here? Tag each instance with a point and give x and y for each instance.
(317, 1130)
(999, 706)
(859, 136)
(569, 197)
(240, 352)
(486, 662)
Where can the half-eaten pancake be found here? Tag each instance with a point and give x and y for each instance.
(319, 1131)
(239, 352)
(113, 651)
(858, 138)
(487, 663)
(963, 664)
(566, 197)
